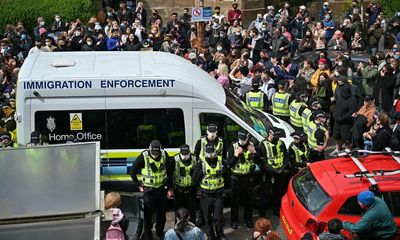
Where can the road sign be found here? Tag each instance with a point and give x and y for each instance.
(201, 14)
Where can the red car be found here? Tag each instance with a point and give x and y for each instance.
(328, 189)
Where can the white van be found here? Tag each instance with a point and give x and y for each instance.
(126, 99)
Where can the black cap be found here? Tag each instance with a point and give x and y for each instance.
(297, 134)
(210, 147)
(35, 137)
(155, 147)
(212, 127)
(319, 113)
(243, 134)
(7, 104)
(313, 101)
(184, 149)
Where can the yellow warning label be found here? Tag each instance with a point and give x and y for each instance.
(76, 121)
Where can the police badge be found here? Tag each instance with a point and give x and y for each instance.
(51, 124)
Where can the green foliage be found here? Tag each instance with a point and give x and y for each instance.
(28, 11)
(389, 7)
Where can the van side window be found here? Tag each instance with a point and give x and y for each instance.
(227, 128)
(115, 129)
(350, 207)
(136, 128)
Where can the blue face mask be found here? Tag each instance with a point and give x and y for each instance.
(23, 36)
(397, 56)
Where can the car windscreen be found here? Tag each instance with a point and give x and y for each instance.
(309, 192)
(252, 117)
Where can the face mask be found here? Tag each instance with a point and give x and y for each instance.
(109, 14)
(77, 34)
(397, 56)
(242, 142)
(153, 32)
(39, 45)
(41, 23)
(308, 34)
(217, 13)
(23, 37)
(260, 19)
(340, 64)
(48, 44)
(325, 7)
(89, 43)
(210, 155)
(327, 17)
(185, 157)
(263, 29)
(58, 19)
(219, 49)
(235, 7)
(221, 35)
(238, 33)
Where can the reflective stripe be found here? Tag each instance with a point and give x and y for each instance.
(186, 179)
(272, 160)
(298, 153)
(295, 118)
(280, 104)
(305, 118)
(218, 147)
(255, 100)
(242, 167)
(154, 178)
(212, 179)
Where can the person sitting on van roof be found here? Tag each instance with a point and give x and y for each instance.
(377, 222)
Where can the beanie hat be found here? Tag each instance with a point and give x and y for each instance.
(366, 197)
(323, 60)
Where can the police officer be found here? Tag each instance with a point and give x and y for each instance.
(306, 116)
(208, 174)
(6, 140)
(274, 160)
(36, 139)
(184, 189)
(241, 159)
(155, 180)
(317, 136)
(298, 152)
(296, 108)
(211, 136)
(8, 121)
(256, 98)
(280, 102)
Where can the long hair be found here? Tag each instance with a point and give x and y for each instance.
(182, 216)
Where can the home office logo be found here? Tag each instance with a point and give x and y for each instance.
(51, 124)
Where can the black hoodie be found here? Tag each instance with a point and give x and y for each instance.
(346, 106)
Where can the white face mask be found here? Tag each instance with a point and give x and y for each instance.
(340, 63)
(58, 19)
(219, 49)
(77, 33)
(263, 29)
(210, 155)
(242, 142)
(41, 23)
(238, 33)
(185, 157)
(89, 43)
(48, 44)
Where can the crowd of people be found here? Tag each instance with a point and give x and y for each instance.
(298, 67)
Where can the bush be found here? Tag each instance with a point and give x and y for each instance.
(27, 11)
(389, 7)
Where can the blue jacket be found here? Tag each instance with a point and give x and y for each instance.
(329, 32)
(112, 44)
(376, 223)
(193, 233)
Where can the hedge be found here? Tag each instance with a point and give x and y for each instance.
(27, 11)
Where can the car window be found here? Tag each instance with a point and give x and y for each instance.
(350, 207)
(309, 192)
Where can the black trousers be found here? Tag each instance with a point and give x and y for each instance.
(155, 202)
(212, 207)
(242, 192)
(315, 156)
(186, 198)
(274, 187)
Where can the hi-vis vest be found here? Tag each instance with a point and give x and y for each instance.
(305, 118)
(183, 179)
(298, 153)
(154, 173)
(242, 168)
(295, 118)
(275, 161)
(312, 128)
(212, 179)
(280, 104)
(255, 100)
(218, 147)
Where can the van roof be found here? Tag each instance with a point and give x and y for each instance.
(67, 66)
(331, 174)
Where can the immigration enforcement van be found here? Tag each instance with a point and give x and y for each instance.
(126, 99)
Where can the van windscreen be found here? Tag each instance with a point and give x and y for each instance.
(309, 192)
(255, 119)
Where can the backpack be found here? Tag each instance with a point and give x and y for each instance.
(115, 232)
(395, 139)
